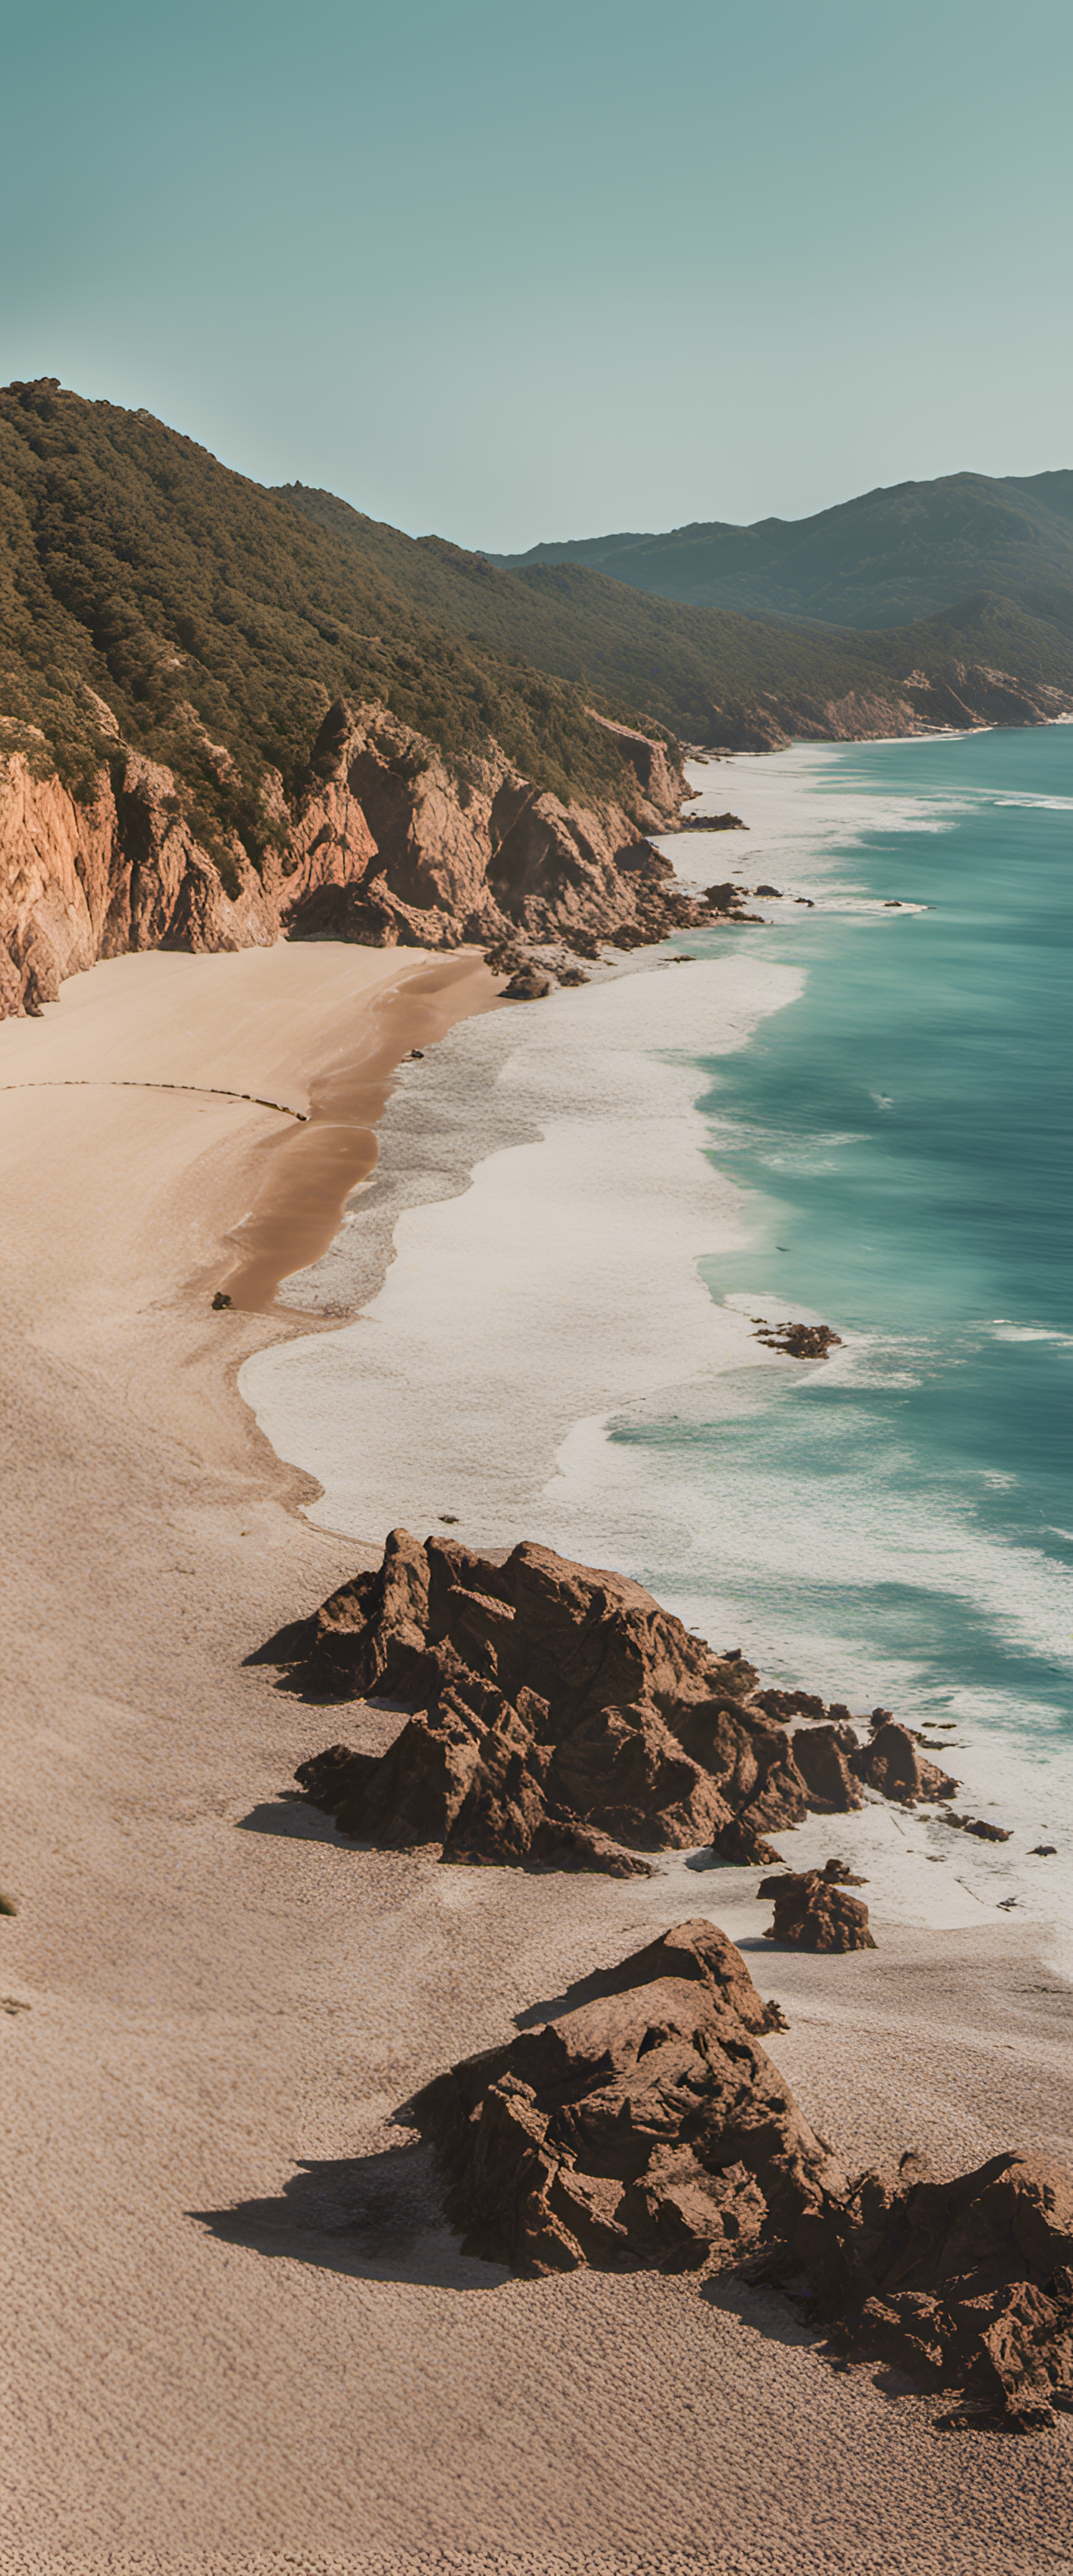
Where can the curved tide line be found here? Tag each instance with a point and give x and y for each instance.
(128, 1082)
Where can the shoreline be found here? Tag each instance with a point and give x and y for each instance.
(557, 1301)
(252, 2356)
(298, 1210)
(563, 1182)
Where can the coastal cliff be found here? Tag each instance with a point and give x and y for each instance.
(388, 841)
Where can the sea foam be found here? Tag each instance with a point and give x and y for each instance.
(564, 1348)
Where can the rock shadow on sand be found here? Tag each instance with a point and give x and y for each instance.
(291, 1817)
(377, 2218)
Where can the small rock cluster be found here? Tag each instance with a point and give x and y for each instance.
(813, 1911)
(799, 1341)
(966, 2284)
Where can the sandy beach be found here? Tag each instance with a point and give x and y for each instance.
(239, 2336)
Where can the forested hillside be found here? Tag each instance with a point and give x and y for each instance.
(227, 712)
(714, 677)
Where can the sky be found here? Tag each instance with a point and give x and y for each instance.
(519, 272)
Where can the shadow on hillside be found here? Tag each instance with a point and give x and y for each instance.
(378, 2218)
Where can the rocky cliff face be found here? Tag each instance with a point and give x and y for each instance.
(964, 697)
(388, 842)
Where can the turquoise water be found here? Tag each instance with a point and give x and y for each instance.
(899, 1524)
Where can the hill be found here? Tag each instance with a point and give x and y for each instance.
(884, 559)
(720, 679)
(226, 711)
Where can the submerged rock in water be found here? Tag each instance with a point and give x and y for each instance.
(561, 1718)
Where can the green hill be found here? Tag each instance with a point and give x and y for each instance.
(884, 559)
(135, 566)
(703, 672)
(144, 585)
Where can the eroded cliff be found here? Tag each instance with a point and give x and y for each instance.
(386, 841)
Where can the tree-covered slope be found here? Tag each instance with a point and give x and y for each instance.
(145, 586)
(883, 559)
(189, 599)
(710, 675)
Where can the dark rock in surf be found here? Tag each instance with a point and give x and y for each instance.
(892, 1763)
(800, 1341)
(785, 1704)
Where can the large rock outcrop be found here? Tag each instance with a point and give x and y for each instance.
(548, 1697)
(387, 842)
(645, 2126)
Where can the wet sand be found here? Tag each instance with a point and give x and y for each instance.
(238, 2337)
(298, 1209)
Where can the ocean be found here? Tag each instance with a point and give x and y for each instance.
(855, 1113)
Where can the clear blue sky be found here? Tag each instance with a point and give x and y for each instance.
(518, 271)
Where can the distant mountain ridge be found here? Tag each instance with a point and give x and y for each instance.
(901, 552)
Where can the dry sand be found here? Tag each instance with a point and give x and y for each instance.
(237, 2336)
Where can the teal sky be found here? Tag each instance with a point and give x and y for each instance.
(521, 271)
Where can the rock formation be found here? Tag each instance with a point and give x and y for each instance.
(892, 1763)
(966, 2284)
(643, 2126)
(813, 1912)
(387, 843)
(799, 1341)
(561, 1718)
(824, 1757)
